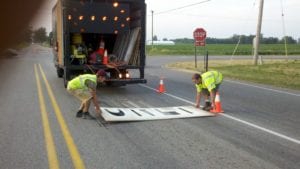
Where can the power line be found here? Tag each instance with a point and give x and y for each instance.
(240, 37)
(170, 10)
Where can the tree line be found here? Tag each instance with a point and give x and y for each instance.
(40, 36)
(242, 39)
(31, 35)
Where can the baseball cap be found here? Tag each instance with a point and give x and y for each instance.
(101, 72)
(196, 76)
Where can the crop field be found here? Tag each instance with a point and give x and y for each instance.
(222, 49)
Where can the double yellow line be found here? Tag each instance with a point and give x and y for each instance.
(50, 145)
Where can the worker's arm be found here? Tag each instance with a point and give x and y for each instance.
(92, 88)
(198, 98)
(95, 100)
(212, 97)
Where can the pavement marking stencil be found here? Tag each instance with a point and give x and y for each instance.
(143, 114)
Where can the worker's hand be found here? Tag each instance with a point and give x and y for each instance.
(197, 105)
(98, 112)
(213, 106)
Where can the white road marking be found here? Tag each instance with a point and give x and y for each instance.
(236, 119)
(133, 104)
(273, 90)
(157, 113)
(144, 104)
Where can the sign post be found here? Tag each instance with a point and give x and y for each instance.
(199, 40)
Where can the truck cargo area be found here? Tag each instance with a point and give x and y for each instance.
(100, 34)
(89, 48)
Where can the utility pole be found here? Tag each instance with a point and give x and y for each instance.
(258, 31)
(283, 28)
(152, 29)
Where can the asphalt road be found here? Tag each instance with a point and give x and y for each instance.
(38, 128)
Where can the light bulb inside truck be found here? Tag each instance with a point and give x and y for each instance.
(104, 18)
(115, 4)
(93, 17)
(80, 17)
(120, 75)
(127, 75)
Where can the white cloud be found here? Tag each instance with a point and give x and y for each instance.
(223, 18)
(220, 18)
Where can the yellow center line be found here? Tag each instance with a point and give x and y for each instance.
(75, 155)
(50, 145)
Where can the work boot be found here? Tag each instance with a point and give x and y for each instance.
(87, 115)
(79, 113)
(207, 103)
(207, 106)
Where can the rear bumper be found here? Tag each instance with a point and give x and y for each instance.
(127, 81)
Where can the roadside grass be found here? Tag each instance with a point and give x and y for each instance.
(278, 73)
(221, 49)
(21, 45)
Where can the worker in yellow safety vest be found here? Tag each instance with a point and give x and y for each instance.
(207, 84)
(84, 88)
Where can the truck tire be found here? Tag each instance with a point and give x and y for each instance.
(65, 82)
(66, 78)
(60, 72)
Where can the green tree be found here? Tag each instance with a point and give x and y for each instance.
(26, 35)
(50, 38)
(270, 40)
(40, 35)
(184, 40)
(289, 40)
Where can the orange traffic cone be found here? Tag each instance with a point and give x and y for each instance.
(161, 87)
(101, 48)
(218, 108)
(105, 58)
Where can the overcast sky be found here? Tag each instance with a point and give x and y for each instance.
(220, 18)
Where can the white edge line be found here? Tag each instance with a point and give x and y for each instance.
(263, 129)
(273, 90)
(236, 119)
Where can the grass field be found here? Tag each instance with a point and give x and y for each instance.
(222, 49)
(277, 72)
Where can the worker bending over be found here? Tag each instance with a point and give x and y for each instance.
(207, 85)
(84, 88)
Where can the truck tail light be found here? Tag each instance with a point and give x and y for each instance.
(127, 75)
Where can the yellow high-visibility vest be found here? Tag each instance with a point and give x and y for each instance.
(79, 81)
(209, 80)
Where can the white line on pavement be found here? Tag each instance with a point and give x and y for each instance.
(236, 119)
(273, 90)
(263, 129)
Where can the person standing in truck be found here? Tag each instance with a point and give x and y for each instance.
(207, 84)
(84, 88)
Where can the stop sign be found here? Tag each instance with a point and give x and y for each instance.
(199, 37)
